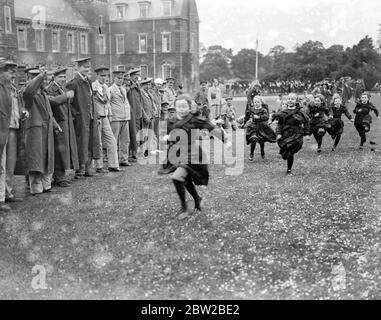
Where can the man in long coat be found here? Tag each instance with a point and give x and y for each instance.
(39, 135)
(85, 118)
(135, 99)
(7, 72)
(66, 152)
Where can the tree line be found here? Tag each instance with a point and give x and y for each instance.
(309, 61)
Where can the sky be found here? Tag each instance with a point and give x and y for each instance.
(237, 23)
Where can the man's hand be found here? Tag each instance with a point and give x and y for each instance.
(25, 115)
(166, 138)
(70, 94)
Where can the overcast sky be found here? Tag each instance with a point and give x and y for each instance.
(236, 23)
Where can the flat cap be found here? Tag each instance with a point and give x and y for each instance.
(82, 60)
(133, 71)
(145, 81)
(101, 68)
(59, 71)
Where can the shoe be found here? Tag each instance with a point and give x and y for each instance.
(251, 158)
(361, 147)
(133, 160)
(289, 172)
(50, 191)
(13, 200)
(89, 175)
(125, 164)
(183, 215)
(115, 170)
(5, 208)
(198, 205)
(373, 150)
(372, 143)
(263, 156)
(101, 171)
(63, 184)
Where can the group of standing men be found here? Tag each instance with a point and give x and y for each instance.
(50, 126)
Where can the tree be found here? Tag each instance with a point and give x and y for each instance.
(216, 63)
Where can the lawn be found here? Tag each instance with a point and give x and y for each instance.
(262, 235)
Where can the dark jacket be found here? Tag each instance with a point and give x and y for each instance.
(85, 119)
(66, 152)
(5, 112)
(39, 134)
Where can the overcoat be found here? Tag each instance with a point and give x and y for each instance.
(39, 131)
(66, 152)
(5, 112)
(85, 119)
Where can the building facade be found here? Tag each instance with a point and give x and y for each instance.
(161, 37)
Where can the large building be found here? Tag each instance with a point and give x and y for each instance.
(159, 36)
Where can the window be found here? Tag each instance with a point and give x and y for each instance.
(167, 72)
(143, 43)
(102, 44)
(192, 42)
(166, 41)
(8, 19)
(121, 11)
(40, 41)
(56, 41)
(120, 44)
(84, 43)
(144, 71)
(144, 9)
(167, 8)
(22, 38)
(121, 67)
(70, 42)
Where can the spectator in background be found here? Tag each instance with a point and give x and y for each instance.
(107, 138)
(121, 117)
(215, 99)
(85, 118)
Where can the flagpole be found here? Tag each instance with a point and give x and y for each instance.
(256, 61)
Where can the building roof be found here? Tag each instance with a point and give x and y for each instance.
(57, 11)
(132, 12)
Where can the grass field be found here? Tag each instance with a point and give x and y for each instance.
(262, 235)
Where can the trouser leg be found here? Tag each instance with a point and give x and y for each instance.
(99, 163)
(11, 158)
(110, 144)
(3, 175)
(124, 142)
(262, 149)
(35, 181)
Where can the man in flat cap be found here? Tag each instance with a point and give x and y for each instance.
(170, 92)
(102, 104)
(7, 73)
(39, 135)
(85, 118)
(65, 143)
(148, 116)
(202, 101)
(121, 116)
(135, 99)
